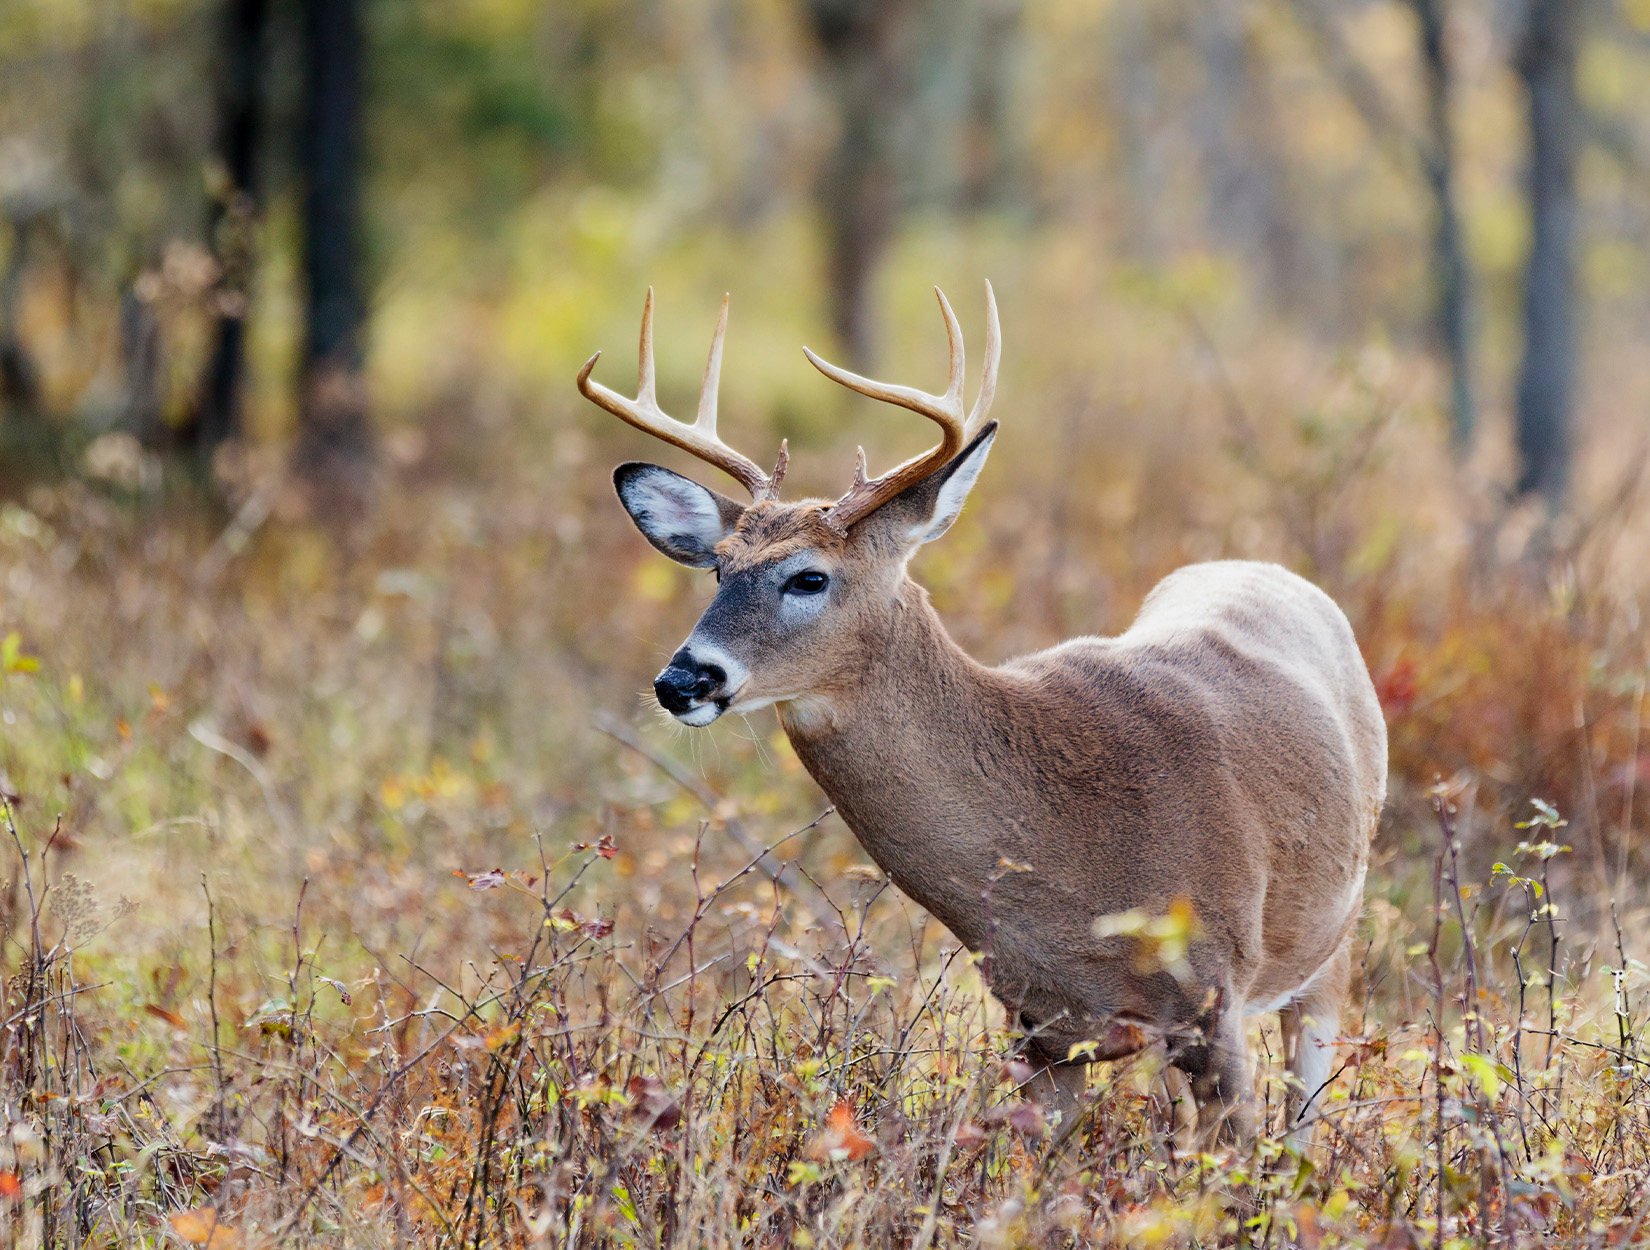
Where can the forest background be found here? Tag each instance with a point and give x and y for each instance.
(321, 634)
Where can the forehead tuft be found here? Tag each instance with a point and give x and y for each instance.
(771, 531)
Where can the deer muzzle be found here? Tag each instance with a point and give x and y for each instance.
(694, 691)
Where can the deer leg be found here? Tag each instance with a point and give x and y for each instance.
(1058, 1086)
(1310, 1025)
(1175, 1110)
(1223, 1081)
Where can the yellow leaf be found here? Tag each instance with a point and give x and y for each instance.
(201, 1227)
(12, 659)
(502, 1036)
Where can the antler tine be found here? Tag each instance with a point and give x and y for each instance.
(942, 409)
(646, 394)
(959, 362)
(946, 411)
(705, 419)
(988, 378)
(700, 438)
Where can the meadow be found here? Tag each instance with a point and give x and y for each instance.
(356, 896)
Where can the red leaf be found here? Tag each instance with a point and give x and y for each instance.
(258, 740)
(606, 847)
(1021, 1116)
(840, 1138)
(11, 1186)
(171, 1017)
(1015, 1072)
(1027, 1119)
(1397, 687)
(651, 1102)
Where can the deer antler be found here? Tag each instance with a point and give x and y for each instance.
(946, 411)
(700, 438)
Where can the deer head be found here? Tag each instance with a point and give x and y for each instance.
(806, 589)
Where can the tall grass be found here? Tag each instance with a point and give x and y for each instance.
(438, 937)
(780, 1072)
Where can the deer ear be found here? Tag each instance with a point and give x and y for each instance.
(925, 510)
(677, 515)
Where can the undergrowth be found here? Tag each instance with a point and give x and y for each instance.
(428, 943)
(778, 1073)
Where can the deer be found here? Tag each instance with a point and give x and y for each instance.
(1225, 754)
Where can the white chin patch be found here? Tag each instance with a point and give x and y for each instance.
(701, 715)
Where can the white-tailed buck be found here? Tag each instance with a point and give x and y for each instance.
(1227, 751)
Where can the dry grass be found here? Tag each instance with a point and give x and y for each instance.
(432, 945)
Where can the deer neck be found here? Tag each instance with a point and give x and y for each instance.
(894, 748)
(911, 672)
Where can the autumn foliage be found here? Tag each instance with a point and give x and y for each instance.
(426, 945)
(354, 899)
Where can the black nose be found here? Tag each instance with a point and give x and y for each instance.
(687, 680)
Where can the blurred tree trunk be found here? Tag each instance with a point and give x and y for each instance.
(25, 436)
(1236, 130)
(1546, 61)
(142, 409)
(334, 455)
(1432, 150)
(866, 45)
(19, 379)
(993, 165)
(1136, 90)
(1453, 324)
(238, 85)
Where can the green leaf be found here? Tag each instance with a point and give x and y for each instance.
(1546, 817)
(1490, 1073)
(1501, 870)
(804, 1173)
(12, 659)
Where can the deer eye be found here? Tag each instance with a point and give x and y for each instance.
(806, 583)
